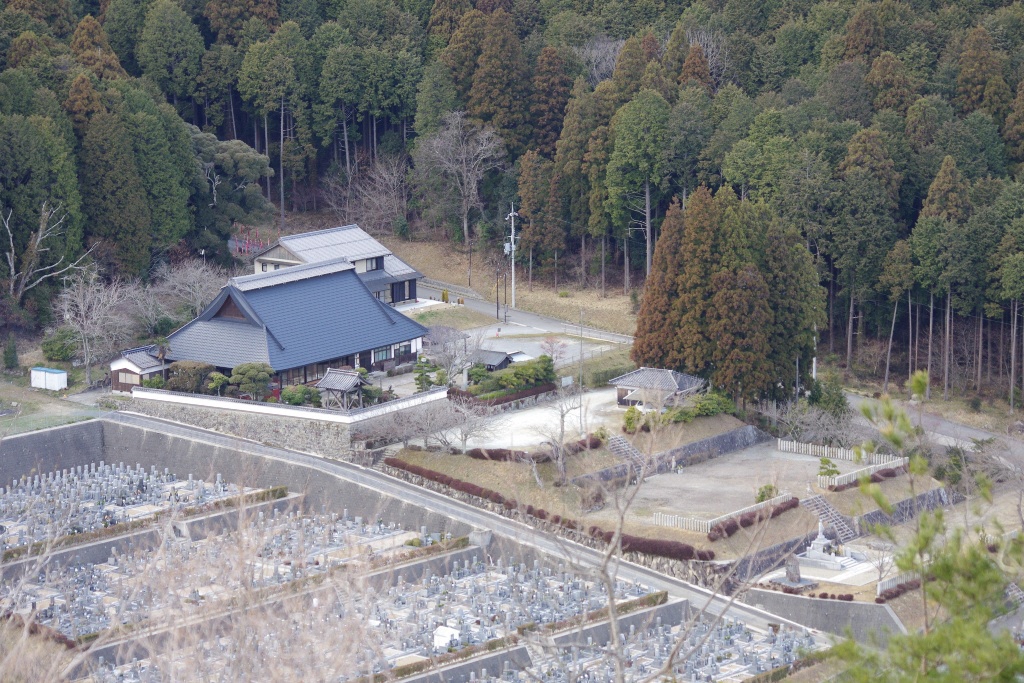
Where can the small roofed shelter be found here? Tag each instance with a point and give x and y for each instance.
(655, 387)
(136, 366)
(342, 389)
(492, 360)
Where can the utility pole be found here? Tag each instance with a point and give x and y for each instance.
(580, 387)
(497, 299)
(512, 252)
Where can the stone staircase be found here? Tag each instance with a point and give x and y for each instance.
(1015, 594)
(830, 517)
(542, 661)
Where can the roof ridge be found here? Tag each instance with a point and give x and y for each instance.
(320, 231)
(291, 273)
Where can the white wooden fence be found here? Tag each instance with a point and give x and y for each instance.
(850, 477)
(833, 453)
(893, 581)
(705, 525)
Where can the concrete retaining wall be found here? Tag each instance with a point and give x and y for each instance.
(50, 449)
(866, 622)
(908, 509)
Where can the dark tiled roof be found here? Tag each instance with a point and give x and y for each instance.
(489, 357)
(294, 322)
(143, 357)
(658, 379)
(340, 380)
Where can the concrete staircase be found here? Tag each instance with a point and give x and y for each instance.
(542, 661)
(625, 451)
(830, 517)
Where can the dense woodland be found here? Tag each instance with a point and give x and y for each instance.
(775, 175)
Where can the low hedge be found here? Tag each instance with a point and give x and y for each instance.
(673, 550)
(748, 519)
(897, 591)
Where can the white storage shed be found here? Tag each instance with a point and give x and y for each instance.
(49, 378)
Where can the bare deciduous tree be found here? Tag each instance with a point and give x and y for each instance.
(599, 55)
(32, 266)
(567, 401)
(382, 193)
(96, 312)
(716, 51)
(145, 305)
(189, 285)
(452, 350)
(462, 152)
(470, 421)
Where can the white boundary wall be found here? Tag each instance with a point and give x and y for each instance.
(281, 410)
(705, 525)
(894, 581)
(832, 453)
(850, 477)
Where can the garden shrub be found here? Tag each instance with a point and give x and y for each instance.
(631, 420)
(188, 376)
(713, 403)
(767, 492)
(61, 345)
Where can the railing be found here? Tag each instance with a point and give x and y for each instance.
(833, 453)
(706, 525)
(894, 581)
(850, 477)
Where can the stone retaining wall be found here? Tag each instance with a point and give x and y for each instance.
(684, 456)
(906, 510)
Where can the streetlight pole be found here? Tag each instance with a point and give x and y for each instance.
(512, 215)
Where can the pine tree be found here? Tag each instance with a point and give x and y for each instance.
(949, 197)
(695, 70)
(738, 324)
(463, 51)
(499, 96)
(83, 102)
(170, 49)
(891, 84)
(1014, 128)
(227, 17)
(445, 16)
(113, 196)
(978, 65)
(92, 50)
(551, 86)
(865, 35)
(657, 324)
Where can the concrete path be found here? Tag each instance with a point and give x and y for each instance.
(950, 430)
(580, 555)
(538, 322)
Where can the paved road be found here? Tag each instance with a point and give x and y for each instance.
(700, 598)
(534, 320)
(947, 428)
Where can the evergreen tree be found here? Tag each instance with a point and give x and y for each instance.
(57, 15)
(925, 118)
(499, 96)
(866, 153)
(464, 49)
(796, 300)
(738, 323)
(695, 70)
(551, 86)
(891, 84)
(657, 323)
(227, 17)
(435, 97)
(113, 196)
(759, 162)
(1014, 128)
(638, 163)
(83, 102)
(10, 353)
(979, 64)
(342, 82)
(170, 49)
(123, 22)
(92, 50)
(948, 196)
(217, 82)
(629, 69)
(865, 35)
(445, 16)
(534, 184)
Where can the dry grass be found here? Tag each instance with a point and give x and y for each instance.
(26, 658)
(516, 480)
(852, 502)
(450, 263)
(451, 315)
